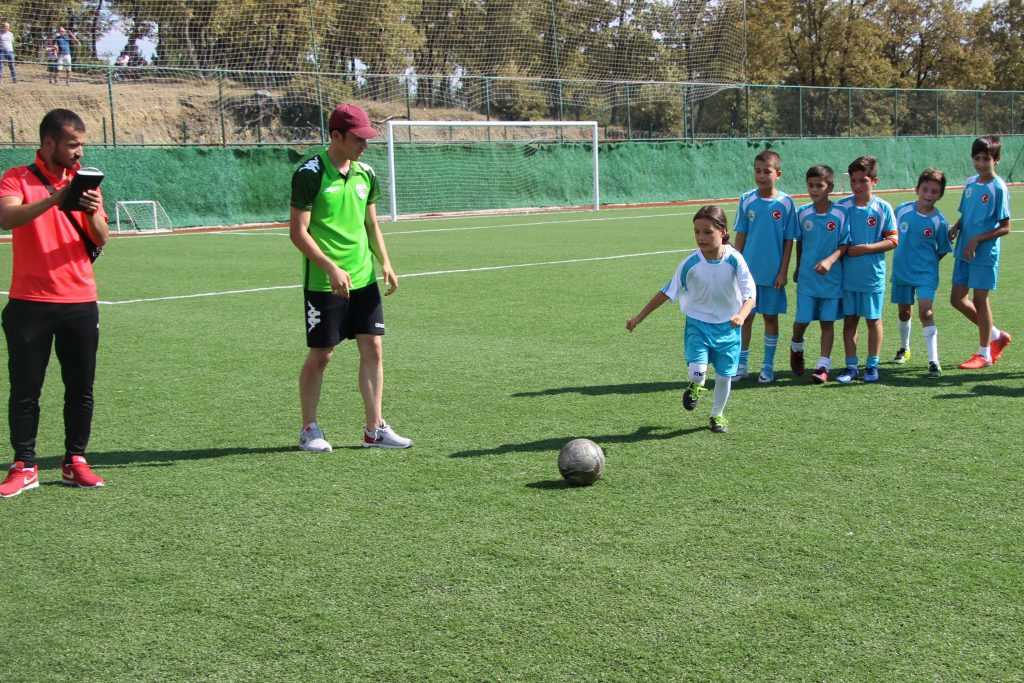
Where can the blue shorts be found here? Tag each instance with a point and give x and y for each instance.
(905, 294)
(716, 344)
(810, 308)
(865, 304)
(771, 301)
(974, 275)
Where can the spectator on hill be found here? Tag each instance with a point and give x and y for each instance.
(7, 51)
(63, 40)
(51, 61)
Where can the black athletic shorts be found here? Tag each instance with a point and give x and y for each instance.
(331, 318)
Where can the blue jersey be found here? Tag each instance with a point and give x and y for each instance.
(923, 241)
(820, 235)
(768, 223)
(983, 207)
(868, 224)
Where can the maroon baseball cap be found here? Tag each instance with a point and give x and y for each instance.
(348, 118)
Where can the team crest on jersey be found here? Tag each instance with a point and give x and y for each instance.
(984, 198)
(830, 226)
(751, 215)
(777, 215)
(904, 226)
(872, 221)
(808, 225)
(967, 192)
(928, 232)
(362, 190)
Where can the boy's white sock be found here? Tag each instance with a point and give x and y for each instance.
(796, 346)
(994, 334)
(824, 363)
(723, 385)
(931, 340)
(905, 334)
(985, 352)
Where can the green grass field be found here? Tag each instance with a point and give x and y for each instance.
(866, 532)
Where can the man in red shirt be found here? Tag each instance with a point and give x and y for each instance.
(52, 299)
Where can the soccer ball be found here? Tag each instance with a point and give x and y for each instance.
(581, 462)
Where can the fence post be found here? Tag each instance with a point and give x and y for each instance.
(1013, 124)
(746, 105)
(895, 112)
(12, 130)
(684, 112)
(184, 131)
(487, 103)
(104, 131)
(938, 93)
(110, 103)
(220, 108)
(629, 116)
(408, 103)
(801, 91)
(977, 107)
(849, 112)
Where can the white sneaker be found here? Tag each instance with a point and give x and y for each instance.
(384, 437)
(741, 372)
(312, 438)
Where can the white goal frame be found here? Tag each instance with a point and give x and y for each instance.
(138, 202)
(393, 176)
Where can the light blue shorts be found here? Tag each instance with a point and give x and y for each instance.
(809, 308)
(974, 275)
(905, 294)
(716, 344)
(771, 301)
(865, 304)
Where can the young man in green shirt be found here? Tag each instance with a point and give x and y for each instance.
(334, 224)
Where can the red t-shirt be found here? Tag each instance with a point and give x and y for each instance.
(50, 262)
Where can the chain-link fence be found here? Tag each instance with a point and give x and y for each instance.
(164, 106)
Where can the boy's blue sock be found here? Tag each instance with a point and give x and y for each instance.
(744, 357)
(770, 343)
(872, 361)
(852, 362)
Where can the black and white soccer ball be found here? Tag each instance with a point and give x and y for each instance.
(581, 462)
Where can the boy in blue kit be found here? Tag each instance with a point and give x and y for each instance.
(924, 240)
(872, 233)
(984, 218)
(765, 231)
(821, 242)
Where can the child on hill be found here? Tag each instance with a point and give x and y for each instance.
(822, 241)
(765, 231)
(984, 218)
(872, 233)
(924, 240)
(716, 292)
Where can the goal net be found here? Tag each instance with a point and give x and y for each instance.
(141, 216)
(442, 167)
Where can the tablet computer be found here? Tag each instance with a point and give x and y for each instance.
(87, 178)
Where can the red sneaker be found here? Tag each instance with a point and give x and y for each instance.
(975, 362)
(78, 473)
(820, 376)
(22, 477)
(997, 346)
(796, 362)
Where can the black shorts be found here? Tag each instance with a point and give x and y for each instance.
(331, 318)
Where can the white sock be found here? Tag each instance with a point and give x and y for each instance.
(824, 363)
(698, 373)
(985, 352)
(723, 386)
(905, 334)
(931, 340)
(994, 334)
(796, 346)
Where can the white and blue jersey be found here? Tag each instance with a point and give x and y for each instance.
(868, 224)
(767, 223)
(711, 291)
(924, 239)
(820, 235)
(983, 206)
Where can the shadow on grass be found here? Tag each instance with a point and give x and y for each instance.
(101, 459)
(781, 379)
(554, 485)
(646, 433)
(917, 378)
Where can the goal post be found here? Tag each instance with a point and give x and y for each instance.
(479, 166)
(142, 215)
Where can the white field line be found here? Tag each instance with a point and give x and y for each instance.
(389, 233)
(405, 276)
